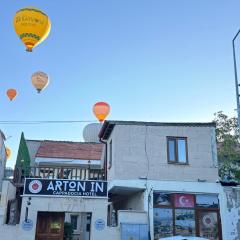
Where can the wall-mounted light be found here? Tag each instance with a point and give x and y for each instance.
(28, 204)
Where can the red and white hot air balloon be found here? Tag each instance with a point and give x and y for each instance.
(101, 110)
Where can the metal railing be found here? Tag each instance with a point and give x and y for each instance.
(74, 173)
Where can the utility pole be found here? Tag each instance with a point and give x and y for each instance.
(237, 85)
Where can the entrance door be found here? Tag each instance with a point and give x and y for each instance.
(50, 226)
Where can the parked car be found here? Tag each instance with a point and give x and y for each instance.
(183, 238)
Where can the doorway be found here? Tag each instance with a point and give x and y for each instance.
(50, 226)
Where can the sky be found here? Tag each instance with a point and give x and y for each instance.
(151, 60)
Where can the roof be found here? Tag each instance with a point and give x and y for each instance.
(109, 125)
(70, 150)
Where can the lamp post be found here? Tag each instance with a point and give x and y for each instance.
(237, 85)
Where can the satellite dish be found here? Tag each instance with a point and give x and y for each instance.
(91, 131)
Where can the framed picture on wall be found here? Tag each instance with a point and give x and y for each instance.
(161, 199)
(184, 200)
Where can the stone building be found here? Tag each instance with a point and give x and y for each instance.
(138, 180)
(3, 158)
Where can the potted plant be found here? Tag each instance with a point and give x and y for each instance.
(68, 231)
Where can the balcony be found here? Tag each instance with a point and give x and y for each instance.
(72, 173)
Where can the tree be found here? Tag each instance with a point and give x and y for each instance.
(227, 134)
(23, 157)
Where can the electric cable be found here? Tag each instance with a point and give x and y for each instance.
(26, 122)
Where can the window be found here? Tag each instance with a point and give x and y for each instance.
(177, 150)
(110, 154)
(186, 214)
(74, 221)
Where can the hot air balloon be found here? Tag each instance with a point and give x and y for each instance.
(101, 110)
(40, 80)
(32, 26)
(11, 93)
(8, 152)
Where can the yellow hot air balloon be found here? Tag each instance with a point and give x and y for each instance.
(8, 152)
(40, 80)
(32, 26)
(101, 110)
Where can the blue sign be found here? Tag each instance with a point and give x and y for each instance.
(27, 225)
(99, 224)
(65, 187)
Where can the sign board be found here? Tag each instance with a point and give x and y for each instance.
(27, 225)
(99, 224)
(65, 188)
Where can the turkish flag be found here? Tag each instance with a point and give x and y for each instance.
(184, 200)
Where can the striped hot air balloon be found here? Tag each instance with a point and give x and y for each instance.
(101, 110)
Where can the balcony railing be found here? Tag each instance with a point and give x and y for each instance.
(57, 173)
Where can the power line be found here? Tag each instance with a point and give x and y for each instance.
(23, 122)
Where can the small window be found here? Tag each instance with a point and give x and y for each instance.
(74, 221)
(110, 154)
(177, 150)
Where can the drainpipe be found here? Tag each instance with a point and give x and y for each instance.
(105, 158)
(149, 220)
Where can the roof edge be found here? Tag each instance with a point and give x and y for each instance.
(109, 125)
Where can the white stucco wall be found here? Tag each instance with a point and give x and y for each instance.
(98, 208)
(231, 212)
(131, 216)
(183, 187)
(135, 201)
(3, 159)
(141, 151)
(8, 193)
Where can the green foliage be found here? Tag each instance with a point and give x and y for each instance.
(227, 135)
(68, 231)
(23, 157)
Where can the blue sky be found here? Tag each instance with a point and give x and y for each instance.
(151, 60)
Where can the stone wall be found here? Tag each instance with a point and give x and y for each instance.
(2, 160)
(232, 212)
(8, 193)
(141, 151)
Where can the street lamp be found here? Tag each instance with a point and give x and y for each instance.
(237, 85)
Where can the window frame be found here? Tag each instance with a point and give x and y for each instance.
(110, 154)
(75, 215)
(176, 155)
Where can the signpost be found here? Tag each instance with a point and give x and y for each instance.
(237, 85)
